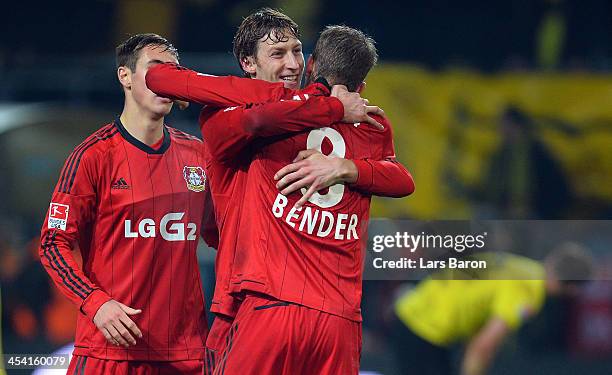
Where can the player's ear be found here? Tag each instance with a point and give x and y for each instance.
(249, 65)
(309, 66)
(361, 87)
(124, 74)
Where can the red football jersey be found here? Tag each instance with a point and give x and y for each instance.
(312, 256)
(136, 214)
(228, 156)
(227, 140)
(230, 133)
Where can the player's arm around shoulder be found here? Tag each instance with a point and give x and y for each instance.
(230, 131)
(378, 173)
(223, 132)
(381, 173)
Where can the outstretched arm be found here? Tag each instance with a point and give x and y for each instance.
(229, 130)
(176, 82)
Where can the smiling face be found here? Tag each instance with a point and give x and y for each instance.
(134, 84)
(277, 60)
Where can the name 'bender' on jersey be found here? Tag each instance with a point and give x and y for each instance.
(137, 214)
(312, 256)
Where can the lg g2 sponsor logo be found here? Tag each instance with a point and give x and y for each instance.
(170, 228)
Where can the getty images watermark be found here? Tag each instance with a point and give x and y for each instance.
(423, 241)
(412, 250)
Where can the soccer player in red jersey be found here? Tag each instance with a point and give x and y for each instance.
(133, 196)
(228, 139)
(300, 267)
(230, 134)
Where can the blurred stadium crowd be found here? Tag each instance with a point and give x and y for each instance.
(501, 111)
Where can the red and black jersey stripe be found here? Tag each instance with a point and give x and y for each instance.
(63, 270)
(182, 135)
(72, 165)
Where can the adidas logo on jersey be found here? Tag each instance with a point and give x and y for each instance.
(120, 184)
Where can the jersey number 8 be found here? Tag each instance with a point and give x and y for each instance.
(314, 142)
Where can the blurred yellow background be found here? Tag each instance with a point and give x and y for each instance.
(572, 113)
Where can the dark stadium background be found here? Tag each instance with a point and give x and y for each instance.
(450, 74)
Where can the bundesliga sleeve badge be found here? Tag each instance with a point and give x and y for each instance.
(195, 178)
(58, 216)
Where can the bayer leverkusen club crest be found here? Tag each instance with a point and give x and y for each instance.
(195, 178)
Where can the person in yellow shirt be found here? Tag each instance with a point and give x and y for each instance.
(480, 312)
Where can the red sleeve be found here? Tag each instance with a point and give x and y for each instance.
(210, 231)
(386, 176)
(229, 131)
(177, 82)
(69, 217)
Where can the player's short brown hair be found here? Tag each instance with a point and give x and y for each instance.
(266, 22)
(127, 53)
(344, 55)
